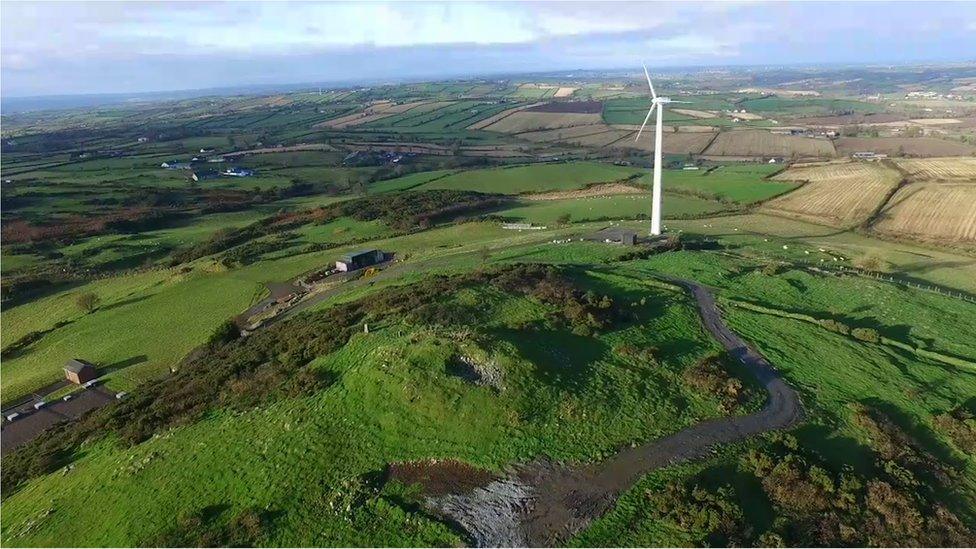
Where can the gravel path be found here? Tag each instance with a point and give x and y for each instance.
(553, 502)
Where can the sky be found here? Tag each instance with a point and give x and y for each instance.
(61, 48)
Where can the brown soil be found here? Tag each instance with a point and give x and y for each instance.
(439, 477)
(603, 189)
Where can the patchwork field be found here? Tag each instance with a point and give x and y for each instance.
(533, 178)
(674, 143)
(695, 114)
(939, 168)
(837, 194)
(482, 124)
(935, 212)
(759, 143)
(526, 120)
(911, 146)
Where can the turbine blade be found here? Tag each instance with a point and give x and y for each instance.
(648, 75)
(646, 118)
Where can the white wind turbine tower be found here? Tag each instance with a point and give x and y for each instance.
(656, 102)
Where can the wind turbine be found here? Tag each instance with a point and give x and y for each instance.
(658, 103)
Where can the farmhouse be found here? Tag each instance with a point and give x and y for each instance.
(236, 171)
(360, 259)
(174, 165)
(79, 371)
(200, 175)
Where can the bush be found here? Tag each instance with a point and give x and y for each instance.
(869, 335)
(88, 302)
(835, 326)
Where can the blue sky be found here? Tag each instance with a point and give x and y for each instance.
(122, 47)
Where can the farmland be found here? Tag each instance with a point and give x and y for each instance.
(940, 212)
(758, 143)
(904, 146)
(528, 120)
(483, 346)
(939, 168)
(838, 194)
(522, 179)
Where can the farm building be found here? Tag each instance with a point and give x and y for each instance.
(173, 165)
(615, 236)
(868, 156)
(360, 259)
(200, 175)
(79, 371)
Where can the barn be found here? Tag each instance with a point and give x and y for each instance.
(360, 259)
(79, 371)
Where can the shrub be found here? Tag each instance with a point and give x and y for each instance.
(869, 335)
(834, 326)
(88, 302)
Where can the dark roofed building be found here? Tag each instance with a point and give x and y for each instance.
(79, 371)
(615, 236)
(200, 175)
(360, 259)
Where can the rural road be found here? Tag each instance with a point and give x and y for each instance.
(544, 504)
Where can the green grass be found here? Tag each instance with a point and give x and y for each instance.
(743, 184)
(394, 401)
(533, 178)
(144, 326)
(406, 182)
(808, 105)
(922, 319)
(611, 207)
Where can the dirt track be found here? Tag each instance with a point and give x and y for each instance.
(544, 504)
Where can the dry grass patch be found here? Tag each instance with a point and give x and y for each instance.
(940, 168)
(934, 212)
(565, 92)
(911, 146)
(837, 194)
(763, 143)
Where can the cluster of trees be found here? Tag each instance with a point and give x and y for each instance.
(813, 503)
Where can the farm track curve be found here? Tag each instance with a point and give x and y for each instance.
(544, 504)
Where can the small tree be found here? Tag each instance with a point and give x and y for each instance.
(564, 219)
(88, 302)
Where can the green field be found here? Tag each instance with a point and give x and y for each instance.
(610, 208)
(740, 183)
(393, 401)
(491, 347)
(534, 178)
